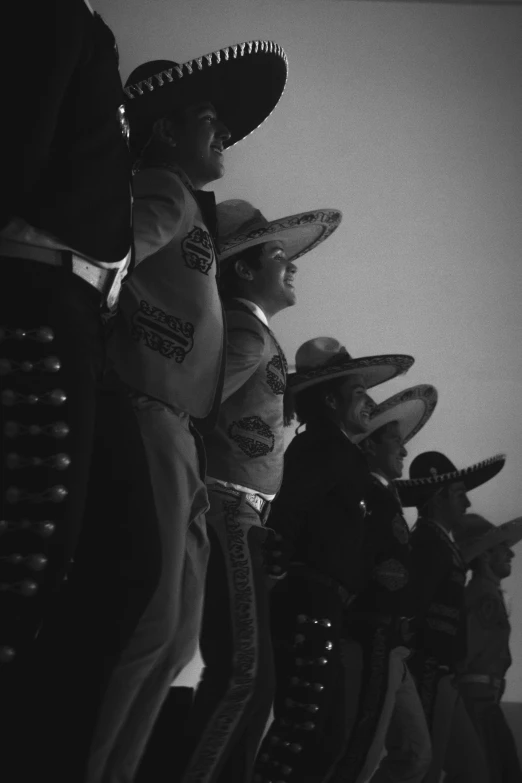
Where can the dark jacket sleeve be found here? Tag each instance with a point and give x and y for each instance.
(43, 42)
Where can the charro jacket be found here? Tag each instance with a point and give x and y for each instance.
(438, 580)
(321, 508)
(168, 336)
(247, 445)
(488, 629)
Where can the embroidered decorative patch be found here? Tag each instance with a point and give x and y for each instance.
(170, 336)
(197, 250)
(253, 436)
(400, 529)
(391, 574)
(276, 375)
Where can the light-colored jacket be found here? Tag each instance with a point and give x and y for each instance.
(168, 336)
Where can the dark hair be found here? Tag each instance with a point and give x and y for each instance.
(310, 403)
(146, 145)
(229, 280)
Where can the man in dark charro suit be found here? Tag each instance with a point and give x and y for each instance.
(321, 515)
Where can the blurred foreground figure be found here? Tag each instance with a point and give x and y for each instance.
(323, 666)
(488, 552)
(438, 490)
(65, 245)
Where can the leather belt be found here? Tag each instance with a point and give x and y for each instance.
(106, 281)
(255, 501)
(316, 576)
(483, 679)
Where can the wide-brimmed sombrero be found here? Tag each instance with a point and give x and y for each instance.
(244, 83)
(241, 226)
(475, 535)
(432, 470)
(324, 358)
(410, 408)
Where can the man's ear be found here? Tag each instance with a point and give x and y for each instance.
(242, 270)
(330, 400)
(368, 446)
(165, 130)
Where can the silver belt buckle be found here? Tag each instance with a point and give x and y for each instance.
(255, 500)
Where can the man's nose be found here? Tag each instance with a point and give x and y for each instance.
(403, 452)
(223, 132)
(467, 502)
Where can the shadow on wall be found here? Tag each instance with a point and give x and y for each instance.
(513, 713)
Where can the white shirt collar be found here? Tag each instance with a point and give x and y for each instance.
(383, 481)
(255, 309)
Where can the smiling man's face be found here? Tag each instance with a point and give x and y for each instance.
(200, 137)
(272, 279)
(353, 406)
(386, 452)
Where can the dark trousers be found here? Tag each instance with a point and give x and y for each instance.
(482, 703)
(89, 575)
(233, 701)
(319, 674)
(159, 761)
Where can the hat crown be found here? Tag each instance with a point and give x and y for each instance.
(319, 352)
(431, 464)
(472, 528)
(238, 217)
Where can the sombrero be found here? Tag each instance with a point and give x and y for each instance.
(241, 226)
(475, 535)
(324, 358)
(244, 83)
(432, 470)
(410, 408)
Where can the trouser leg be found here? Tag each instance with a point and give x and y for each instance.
(160, 761)
(482, 704)
(408, 744)
(165, 637)
(234, 698)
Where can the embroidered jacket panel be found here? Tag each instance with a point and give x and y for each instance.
(66, 169)
(321, 508)
(387, 552)
(168, 336)
(247, 445)
(438, 579)
(488, 629)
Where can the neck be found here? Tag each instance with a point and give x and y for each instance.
(350, 435)
(486, 572)
(268, 308)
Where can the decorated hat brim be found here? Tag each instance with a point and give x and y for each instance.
(509, 533)
(299, 234)
(414, 491)
(244, 83)
(410, 408)
(373, 369)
